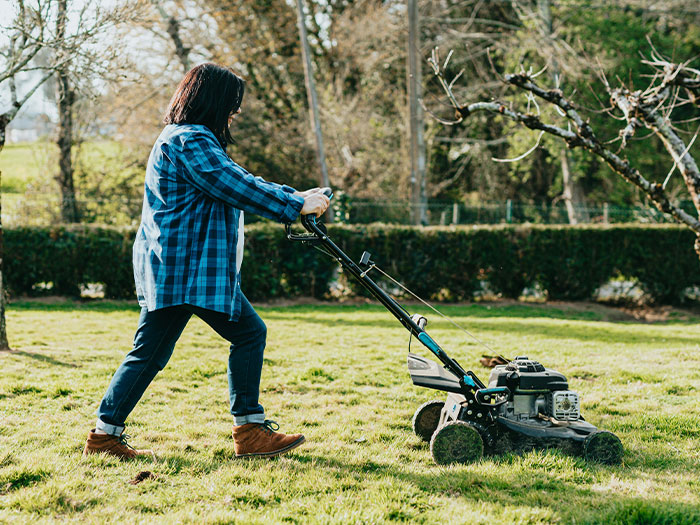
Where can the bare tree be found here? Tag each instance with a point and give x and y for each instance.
(572, 194)
(651, 108)
(39, 29)
(85, 57)
(27, 37)
(66, 100)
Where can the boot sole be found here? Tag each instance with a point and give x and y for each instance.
(274, 453)
(148, 454)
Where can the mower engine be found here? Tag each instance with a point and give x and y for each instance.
(538, 392)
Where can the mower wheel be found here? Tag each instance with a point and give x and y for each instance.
(603, 447)
(427, 418)
(456, 442)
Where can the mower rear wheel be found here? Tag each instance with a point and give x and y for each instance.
(427, 418)
(456, 442)
(603, 447)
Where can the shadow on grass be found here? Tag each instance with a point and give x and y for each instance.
(545, 491)
(576, 312)
(467, 310)
(43, 358)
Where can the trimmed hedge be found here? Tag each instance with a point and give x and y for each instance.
(69, 257)
(569, 262)
(443, 263)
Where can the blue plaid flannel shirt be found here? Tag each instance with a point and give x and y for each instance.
(185, 247)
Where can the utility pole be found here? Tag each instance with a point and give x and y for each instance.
(574, 198)
(419, 200)
(313, 99)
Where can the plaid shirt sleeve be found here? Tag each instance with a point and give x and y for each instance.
(207, 167)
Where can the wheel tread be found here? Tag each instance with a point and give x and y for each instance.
(456, 442)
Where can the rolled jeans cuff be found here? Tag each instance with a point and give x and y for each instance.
(113, 430)
(248, 418)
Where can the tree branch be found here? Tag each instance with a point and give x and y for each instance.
(583, 135)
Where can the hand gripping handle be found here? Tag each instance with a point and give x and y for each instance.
(310, 223)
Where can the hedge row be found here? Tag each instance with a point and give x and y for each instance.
(439, 263)
(570, 263)
(66, 258)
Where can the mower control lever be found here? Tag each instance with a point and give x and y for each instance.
(492, 396)
(365, 261)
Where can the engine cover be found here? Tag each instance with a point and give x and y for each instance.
(525, 374)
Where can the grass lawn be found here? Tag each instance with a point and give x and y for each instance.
(337, 373)
(30, 194)
(23, 163)
(26, 162)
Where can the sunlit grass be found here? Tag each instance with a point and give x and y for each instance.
(337, 373)
(25, 163)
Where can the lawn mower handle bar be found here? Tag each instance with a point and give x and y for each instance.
(318, 235)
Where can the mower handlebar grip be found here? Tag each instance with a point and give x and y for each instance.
(307, 221)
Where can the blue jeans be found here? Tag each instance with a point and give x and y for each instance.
(155, 338)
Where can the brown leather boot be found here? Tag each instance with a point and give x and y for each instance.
(113, 445)
(261, 440)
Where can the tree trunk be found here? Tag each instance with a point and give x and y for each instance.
(4, 344)
(573, 194)
(69, 208)
(66, 100)
(313, 100)
(173, 29)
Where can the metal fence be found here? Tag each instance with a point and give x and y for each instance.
(362, 211)
(43, 209)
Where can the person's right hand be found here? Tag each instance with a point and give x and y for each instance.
(315, 203)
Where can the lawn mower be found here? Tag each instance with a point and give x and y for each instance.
(524, 406)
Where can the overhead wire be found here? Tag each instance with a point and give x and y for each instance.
(426, 303)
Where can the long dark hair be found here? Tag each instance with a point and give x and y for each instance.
(207, 95)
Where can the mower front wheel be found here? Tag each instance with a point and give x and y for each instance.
(427, 418)
(456, 442)
(603, 447)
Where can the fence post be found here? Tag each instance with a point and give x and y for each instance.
(606, 216)
(455, 213)
(509, 211)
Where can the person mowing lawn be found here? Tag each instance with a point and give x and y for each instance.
(187, 260)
